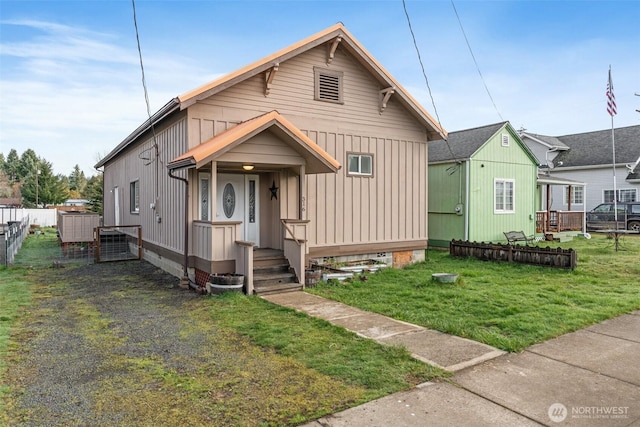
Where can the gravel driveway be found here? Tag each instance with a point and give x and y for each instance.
(120, 344)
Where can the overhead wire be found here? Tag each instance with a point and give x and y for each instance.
(474, 60)
(147, 160)
(424, 73)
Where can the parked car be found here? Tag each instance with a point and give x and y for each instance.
(602, 217)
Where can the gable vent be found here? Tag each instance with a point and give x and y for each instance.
(329, 87)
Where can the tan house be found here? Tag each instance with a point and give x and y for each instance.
(313, 152)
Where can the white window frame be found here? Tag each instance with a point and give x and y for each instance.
(503, 208)
(134, 196)
(620, 192)
(505, 140)
(574, 194)
(359, 172)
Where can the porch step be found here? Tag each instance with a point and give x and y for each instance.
(272, 273)
(261, 280)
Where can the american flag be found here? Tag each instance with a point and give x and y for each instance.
(611, 98)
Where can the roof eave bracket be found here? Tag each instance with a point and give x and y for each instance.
(331, 49)
(385, 94)
(269, 75)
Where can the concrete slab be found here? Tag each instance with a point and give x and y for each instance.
(614, 357)
(446, 351)
(375, 326)
(541, 388)
(432, 404)
(626, 327)
(294, 299)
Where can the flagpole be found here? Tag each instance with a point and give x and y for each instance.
(615, 189)
(612, 110)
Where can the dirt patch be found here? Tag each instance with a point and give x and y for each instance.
(121, 344)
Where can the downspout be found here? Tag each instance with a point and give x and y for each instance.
(185, 274)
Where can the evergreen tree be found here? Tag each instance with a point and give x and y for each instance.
(77, 180)
(44, 188)
(28, 165)
(94, 192)
(11, 165)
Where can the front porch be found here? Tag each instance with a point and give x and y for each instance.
(246, 188)
(218, 248)
(559, 221)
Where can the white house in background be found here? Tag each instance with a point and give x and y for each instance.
(588, 158)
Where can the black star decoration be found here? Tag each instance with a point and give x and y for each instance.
(274, 191)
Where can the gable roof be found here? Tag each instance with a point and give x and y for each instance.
(347, 41)
(350, 44)
(546, 140)
(595, 148)
(462, 144)
(318, 160)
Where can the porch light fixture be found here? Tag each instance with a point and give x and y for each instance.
(248, 167)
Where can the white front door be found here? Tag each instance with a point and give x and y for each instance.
(237, 200)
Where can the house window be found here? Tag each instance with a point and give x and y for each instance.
(504, 196)
(134, 193)
(624, 195)
(328, 85)
(360, 164)
(577, 195)
(505, 139)
(204, 195)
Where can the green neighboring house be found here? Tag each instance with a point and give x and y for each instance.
(482, 183)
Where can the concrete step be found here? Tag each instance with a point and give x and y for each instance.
(277, 289)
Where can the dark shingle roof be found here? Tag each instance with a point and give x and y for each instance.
(595, 148)
(463, 143)
(552, 141)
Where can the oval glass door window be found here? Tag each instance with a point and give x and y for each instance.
(228, 200)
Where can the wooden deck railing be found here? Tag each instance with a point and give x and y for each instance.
(557, 221)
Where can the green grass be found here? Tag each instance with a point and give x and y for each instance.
(319, 345)
(250, 362)
(15, 294)
(509, 306)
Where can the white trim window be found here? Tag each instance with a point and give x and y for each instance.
(505, 140)
(360, 164)
(134, 194)
(577, 195)
(624, 195)
(504, 195)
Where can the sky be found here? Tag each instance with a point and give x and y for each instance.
(71, 86)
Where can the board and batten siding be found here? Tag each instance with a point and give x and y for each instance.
(156, 187)
(448, 189)
(389, 207)
(495, 161)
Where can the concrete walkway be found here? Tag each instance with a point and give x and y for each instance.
(589, 377)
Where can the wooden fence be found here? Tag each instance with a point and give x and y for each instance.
(547, 257)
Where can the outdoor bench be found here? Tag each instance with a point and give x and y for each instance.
(518, 236)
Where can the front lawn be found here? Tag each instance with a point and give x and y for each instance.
(509, 306)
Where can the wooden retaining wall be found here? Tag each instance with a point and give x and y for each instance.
(546, 257)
